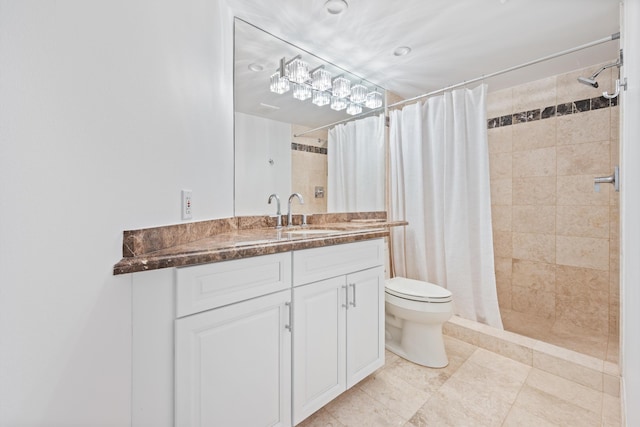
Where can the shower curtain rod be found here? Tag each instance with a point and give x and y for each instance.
(614, 36)
(338, 122)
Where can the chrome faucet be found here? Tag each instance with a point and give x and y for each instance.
(289, 213)
(278, 213)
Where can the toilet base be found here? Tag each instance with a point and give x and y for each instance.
(427, 348)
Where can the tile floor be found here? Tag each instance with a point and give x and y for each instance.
(478, 388)
(591, 343)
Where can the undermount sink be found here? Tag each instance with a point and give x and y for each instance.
(312, 231)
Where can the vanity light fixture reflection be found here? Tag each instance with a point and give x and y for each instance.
(318, 85)
(374, 100)
(321, 79)
(354, 109)
(321, 98)
(301, 91)
(279, 84)
(338, 103)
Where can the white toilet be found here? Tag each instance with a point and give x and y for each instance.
(415, 313)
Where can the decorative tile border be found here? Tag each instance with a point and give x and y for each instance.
(308, 148)
(552, 111)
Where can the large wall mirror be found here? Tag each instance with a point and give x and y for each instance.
(283, 141)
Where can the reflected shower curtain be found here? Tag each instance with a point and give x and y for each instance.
(356, 166)
(439, 183)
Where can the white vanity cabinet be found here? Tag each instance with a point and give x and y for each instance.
(233, 361)
(259, 341)
(338, 318)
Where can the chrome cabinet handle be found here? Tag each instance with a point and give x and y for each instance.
(346, 295)
(353, 303)
(289, 326)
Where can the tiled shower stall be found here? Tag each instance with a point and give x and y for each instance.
(556, 239)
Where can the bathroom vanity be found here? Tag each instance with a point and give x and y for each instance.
(263, 339)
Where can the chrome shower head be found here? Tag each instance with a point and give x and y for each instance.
(591, 81)
(588, 81)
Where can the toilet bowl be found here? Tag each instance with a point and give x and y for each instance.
(415, 313)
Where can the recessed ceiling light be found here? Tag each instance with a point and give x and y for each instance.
(402, 51)
(336, 7)
(255, 67)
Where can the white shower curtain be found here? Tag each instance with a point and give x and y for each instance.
(356, 166)
(439, 176)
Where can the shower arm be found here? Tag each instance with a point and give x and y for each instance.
(618, 63)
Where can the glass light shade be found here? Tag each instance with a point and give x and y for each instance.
(354, 109)
(341, 87)
(279, 84)
(321, 79)
(374, 100)
(320, 98)
(338, 103)
(301, 92)
(358, 94)
(298, 71)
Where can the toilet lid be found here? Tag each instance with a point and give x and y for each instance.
(417, 290)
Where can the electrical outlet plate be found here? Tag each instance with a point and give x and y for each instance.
(187, 204)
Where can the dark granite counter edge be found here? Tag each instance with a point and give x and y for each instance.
(154, 262)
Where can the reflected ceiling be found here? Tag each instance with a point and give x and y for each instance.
(451, 41)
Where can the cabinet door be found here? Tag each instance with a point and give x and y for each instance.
(318, 345)
(233, 365)
(365, 324)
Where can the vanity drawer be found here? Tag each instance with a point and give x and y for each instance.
(207, 286)
(312, 265)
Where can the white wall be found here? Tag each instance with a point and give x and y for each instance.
(259, 140)
(107, 110)
(629, 214)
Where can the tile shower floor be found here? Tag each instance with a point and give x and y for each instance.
(582, 340)
(478, 388)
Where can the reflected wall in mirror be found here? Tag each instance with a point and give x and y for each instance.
(278, 146)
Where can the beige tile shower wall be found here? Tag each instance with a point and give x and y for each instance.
(556, 240)
(309, 170)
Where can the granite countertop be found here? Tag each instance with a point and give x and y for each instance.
(228, 243)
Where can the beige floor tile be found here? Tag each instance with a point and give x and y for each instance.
(458, 350)
(394, 393)
(572, 366)
(321, 418)
(481, 388)
(499, 365)
(519, 417)
(447, 410)
(481, 385)
(420, 377)
(390, 357)
(356, 408)
(566, 390)
(555, 410)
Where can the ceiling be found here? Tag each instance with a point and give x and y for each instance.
(451, 40)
